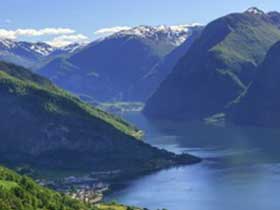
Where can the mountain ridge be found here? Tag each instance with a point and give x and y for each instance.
(217, 68)
(57, 131)
(108, 69)
(259, 104)
(29, 54)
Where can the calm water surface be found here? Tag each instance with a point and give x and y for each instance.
(241, 169)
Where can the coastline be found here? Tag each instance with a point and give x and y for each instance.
(92, 187)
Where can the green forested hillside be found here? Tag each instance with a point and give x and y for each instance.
(47, 128)
(218, 68)
(259, 105)
(22, 193)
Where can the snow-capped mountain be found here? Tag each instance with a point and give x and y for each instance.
(175, 34)
(117, 65)
(39, 48)
(67, 50)
(255, 11)
(6, 43)
(28, 54)
(72, 47)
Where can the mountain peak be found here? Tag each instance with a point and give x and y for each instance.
(160, 28)
(177, 33)
(255, 11)
(188, 91)
(7, 43)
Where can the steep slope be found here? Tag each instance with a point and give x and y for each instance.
(22, 193)
(274, 18)
(218, 67)
(260, 104)
(48, 128)
(160, 71)
(29, 54)
(108, 69)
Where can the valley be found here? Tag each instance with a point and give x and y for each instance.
(239, 165)
(60, 139)
(140, 116)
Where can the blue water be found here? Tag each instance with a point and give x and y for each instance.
(240, 171)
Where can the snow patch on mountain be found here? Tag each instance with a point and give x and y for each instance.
(7, 43)
(175, 33)
(73, 47)
(255, 11)
(40, 48)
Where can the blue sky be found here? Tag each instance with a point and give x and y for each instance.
(85, 17)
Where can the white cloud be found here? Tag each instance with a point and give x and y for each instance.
(65, 40)
(7, 34)
(112, 30)
(184, 27)
(45, 31)
(13, 34)
(63, 36)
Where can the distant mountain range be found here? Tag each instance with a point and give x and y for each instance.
(183, 73)
(31, 54)
(118, 67)
(152, 80)
(219, 66)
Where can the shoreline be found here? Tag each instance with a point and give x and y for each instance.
(93, 189)
(92, 186)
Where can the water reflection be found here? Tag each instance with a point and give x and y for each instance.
(240, 171)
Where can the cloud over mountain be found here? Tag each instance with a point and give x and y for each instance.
(57, 37)
(29, 32)
(111, 30)
(65, 40)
